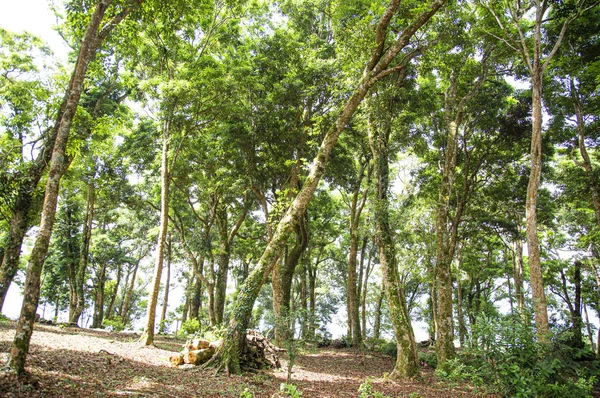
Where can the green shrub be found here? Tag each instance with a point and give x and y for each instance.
(366, 390)
(114, 324)
(290, 391)
(507, 358)
(428, 359)
(190, 326)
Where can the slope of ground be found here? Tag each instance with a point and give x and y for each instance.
(72, 362)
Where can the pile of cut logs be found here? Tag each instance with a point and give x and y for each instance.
(259, 352)
(196, 352)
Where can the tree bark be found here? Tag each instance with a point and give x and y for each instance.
(459, 306)
(99, 299)
(93, 37)
(113, 298)
(365, 288)
(377, 322)
(533, 245)
(518, 274)
(282, 283)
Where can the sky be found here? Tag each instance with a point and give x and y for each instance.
(33, 16)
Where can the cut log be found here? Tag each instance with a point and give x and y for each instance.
(197, 344)
(177, 359)
(198, 357)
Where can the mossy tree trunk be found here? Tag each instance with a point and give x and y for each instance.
(406, 361)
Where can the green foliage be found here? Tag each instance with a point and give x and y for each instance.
(4, 320)
(506, 358)
(190, 326)
(383, 346)
(366, 390)
(289, 390)
(113, 324)
(246, 393)
(428, 359)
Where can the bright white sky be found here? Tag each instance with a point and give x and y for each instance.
(33, 16)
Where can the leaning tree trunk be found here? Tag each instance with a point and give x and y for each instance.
(148, 335)
(376, 69)
(92, 39)
(406, 360)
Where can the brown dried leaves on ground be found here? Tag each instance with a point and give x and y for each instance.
(72, 362)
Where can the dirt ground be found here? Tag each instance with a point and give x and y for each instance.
(72, 362)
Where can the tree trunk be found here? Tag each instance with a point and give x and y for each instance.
(518, 274)
(352, 302)
(163, 314)
(99, 300)
(75, 312)
(223, 262)
(283, 274)
(589, 328)
(88, 46)
(127, 302)
(377, 323)
(406, 360)
(148, 335)
(459, 307)
(312, 295)
(16, 233)
(533, 245)
(576, 316)
(196, 299)
(364, 289)
(119, 310)
(304, 301)
(113, 297)
(444, 344)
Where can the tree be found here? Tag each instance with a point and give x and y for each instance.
(95, 34)
(28, 102)
(525, 38)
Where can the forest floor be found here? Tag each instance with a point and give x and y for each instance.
(73, 362)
